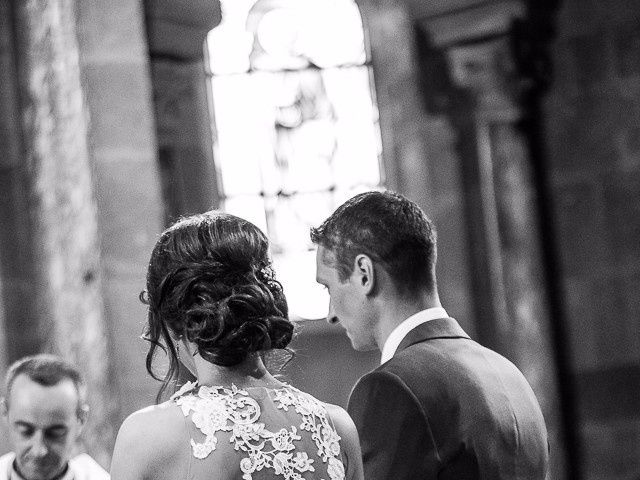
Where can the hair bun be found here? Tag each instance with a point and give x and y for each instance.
(210, 279)
(280, 331)
(228, 321)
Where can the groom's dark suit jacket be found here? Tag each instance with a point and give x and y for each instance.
(444, 407)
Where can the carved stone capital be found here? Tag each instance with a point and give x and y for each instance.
(473, 24)
(492, 55)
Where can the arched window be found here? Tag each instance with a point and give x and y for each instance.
(296, 126)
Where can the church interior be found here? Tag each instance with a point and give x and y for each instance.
(514, 124)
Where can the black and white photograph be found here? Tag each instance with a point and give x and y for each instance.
(320, 240)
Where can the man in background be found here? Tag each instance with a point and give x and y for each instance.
(440, 406)
(45, 407)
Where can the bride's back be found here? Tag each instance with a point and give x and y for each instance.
(230, 433)
(216, 308)
(259, 432)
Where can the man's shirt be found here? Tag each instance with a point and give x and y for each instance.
(401, 331)
(81, 467)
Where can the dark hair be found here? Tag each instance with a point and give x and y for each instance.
(47, 370)
(391, 230)
(210, 279)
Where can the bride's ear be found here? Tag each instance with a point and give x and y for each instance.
(365, 272)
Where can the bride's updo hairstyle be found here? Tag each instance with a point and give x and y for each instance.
(210, 280)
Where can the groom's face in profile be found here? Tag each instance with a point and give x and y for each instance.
(346, 301)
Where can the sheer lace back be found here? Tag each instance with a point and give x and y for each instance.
(281, 431)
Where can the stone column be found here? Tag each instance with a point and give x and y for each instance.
(484, 96)
(114, 63)
(16, 279)
(16, 267)
(417, 145)
(61, 209)
(403, 125)
(184, 130)
(177, 31)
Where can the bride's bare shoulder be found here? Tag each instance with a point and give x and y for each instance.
(350, 441)
(149, 440)
(155, 418)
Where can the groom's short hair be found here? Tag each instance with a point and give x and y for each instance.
(390, 229)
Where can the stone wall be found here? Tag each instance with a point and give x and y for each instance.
(324, 363)
(52, 285)
(13, 279)
(418, 147)
(592, 120)
(79, 197)
(116, 79)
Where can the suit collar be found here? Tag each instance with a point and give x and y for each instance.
(397, 334)
(438, 328)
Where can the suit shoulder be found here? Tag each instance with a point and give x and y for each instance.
(382, 375)
(441, 359)
(383, 385)
(412, 364)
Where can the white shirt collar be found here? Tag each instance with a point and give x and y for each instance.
(401, 331)
(14, 475)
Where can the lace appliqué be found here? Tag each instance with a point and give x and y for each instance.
(233, 410)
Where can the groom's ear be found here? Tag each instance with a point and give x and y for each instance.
(365, 272)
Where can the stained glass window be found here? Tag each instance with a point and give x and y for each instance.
(296, 125)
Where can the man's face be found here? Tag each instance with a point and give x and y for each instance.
(347, 301)
(43, 426)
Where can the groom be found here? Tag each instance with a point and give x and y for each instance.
(440, 405)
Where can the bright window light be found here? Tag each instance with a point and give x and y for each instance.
(296, 125)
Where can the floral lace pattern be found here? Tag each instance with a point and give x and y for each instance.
(215, 409)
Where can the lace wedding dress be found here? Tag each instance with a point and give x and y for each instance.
(258, 433)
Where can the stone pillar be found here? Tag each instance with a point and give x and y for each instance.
(16, 249)
(177, 31)
(59, 202)
(185, 143)
(484, 95)
(390, 30)
(116, 77)
(418, 156)
(16, 280)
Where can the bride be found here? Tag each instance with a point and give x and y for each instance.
(217, 309)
